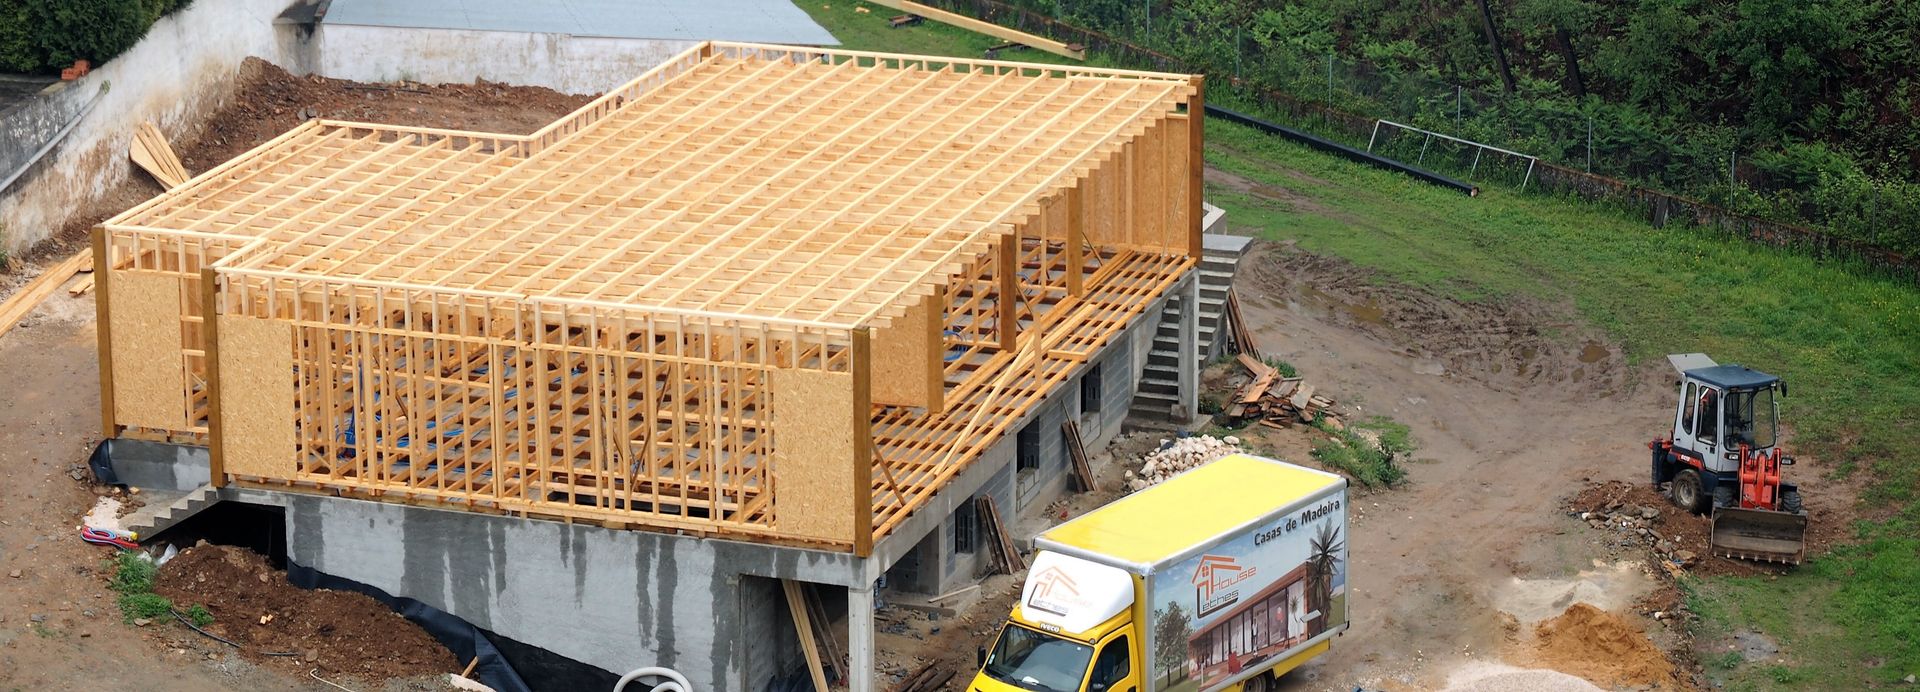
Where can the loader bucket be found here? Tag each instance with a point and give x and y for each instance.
(1758, 534)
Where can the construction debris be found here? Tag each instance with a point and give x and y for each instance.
(1005, 557)
(1077, 450)
(1276, 401)
(1176, 456)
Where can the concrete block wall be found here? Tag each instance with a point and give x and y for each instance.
(562, 62)
(613, 599)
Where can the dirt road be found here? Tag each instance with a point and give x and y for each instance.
(1513, 408)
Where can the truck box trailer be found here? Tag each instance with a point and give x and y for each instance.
(1222, 578)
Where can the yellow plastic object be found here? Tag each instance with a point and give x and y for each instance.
(1167, 520)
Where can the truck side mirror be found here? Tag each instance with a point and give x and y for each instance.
(980, 656)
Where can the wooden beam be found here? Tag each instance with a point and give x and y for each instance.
(1196, 165)
(802, 626)
(1076, 239)
(1006, 276)
(863, 449)
(103, 330)
(988, 28)
(210, 335)
(23, 301)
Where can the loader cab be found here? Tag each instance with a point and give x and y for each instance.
(1723, 407)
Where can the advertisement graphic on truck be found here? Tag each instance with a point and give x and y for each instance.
(1246, 601)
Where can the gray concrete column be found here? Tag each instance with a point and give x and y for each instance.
(1189, 380)
(860, 656)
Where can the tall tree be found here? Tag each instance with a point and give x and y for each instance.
(1493, 41)
(1170, 634)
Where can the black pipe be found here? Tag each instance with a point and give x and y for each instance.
(1338, 149)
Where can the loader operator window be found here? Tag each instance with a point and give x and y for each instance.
(1750, 418)
(1708, 427)
(1686, 416)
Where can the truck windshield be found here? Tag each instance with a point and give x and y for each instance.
(1031, 660)
(1750, 418)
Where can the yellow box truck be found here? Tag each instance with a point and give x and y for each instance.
(1222, 578)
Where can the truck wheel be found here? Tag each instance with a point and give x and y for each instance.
(1686, 491)
(1790, 502)
(1258, 683)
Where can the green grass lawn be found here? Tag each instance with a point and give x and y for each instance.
(1847, 341)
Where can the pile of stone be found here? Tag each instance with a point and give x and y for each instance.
(1634, 523)
(1179, 455)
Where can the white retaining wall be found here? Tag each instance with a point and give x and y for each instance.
(561, 62)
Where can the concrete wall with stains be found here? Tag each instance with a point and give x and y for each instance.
(614, 599)
(561, 62)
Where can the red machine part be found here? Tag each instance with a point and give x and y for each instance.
(1759, 479)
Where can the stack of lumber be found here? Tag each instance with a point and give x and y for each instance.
(930, 677)
(1176, 456)
(1276, 401)
(150, 151)
(1004, 557)
(1237, 325)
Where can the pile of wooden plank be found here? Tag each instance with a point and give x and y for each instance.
(1004, 557)
(930, 677)
(1277, 401)
(1237, 326)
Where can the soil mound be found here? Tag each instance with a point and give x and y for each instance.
(337, 632)
(1600, 646)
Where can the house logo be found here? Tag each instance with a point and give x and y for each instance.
(1052, 591)
(1213, 582)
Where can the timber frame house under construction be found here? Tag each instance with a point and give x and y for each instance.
(776, 294)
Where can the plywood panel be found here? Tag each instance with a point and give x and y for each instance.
(256, 396)
(148, 381)
(813, 453)
(906, 358)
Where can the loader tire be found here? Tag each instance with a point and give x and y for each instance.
(1687, 493)
(1723, 496)
(1790, 502)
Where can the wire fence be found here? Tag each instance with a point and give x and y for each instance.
(1580, 151)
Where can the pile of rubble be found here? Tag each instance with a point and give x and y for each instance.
(1634, 523)
(1176, 456)
(1276, 401)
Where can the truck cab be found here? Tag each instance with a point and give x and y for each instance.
(1220, 579)
(1068, 633)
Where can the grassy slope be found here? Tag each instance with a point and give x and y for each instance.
(1849, 344)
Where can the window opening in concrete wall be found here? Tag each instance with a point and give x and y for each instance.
(1090, 390)
(966, 527)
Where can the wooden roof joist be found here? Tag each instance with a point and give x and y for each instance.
(765, 185)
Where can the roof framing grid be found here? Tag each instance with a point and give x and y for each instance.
(621, 316)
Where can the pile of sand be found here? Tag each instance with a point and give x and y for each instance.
(1600, 646)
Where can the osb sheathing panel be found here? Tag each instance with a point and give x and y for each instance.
(906, 360)
(148, 377)
(256, 397)
(813, 457)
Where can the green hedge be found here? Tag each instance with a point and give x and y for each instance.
(48, 35)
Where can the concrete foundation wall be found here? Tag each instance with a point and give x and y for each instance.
(609, 598)
(183, 69)
(562, 62)
(29, 124)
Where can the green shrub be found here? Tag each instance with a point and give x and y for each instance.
(199, 615)
(1286, 369)
(143, 605)
(47, 35)
(132, 573)
(1371, 464)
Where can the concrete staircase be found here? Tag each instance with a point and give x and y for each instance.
(152, 519)
(1159, 381)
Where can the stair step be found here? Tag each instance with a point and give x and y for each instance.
(1157, 397)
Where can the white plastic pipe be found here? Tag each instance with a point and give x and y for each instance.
(675, 681)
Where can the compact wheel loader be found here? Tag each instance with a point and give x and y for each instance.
(1723, 457)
